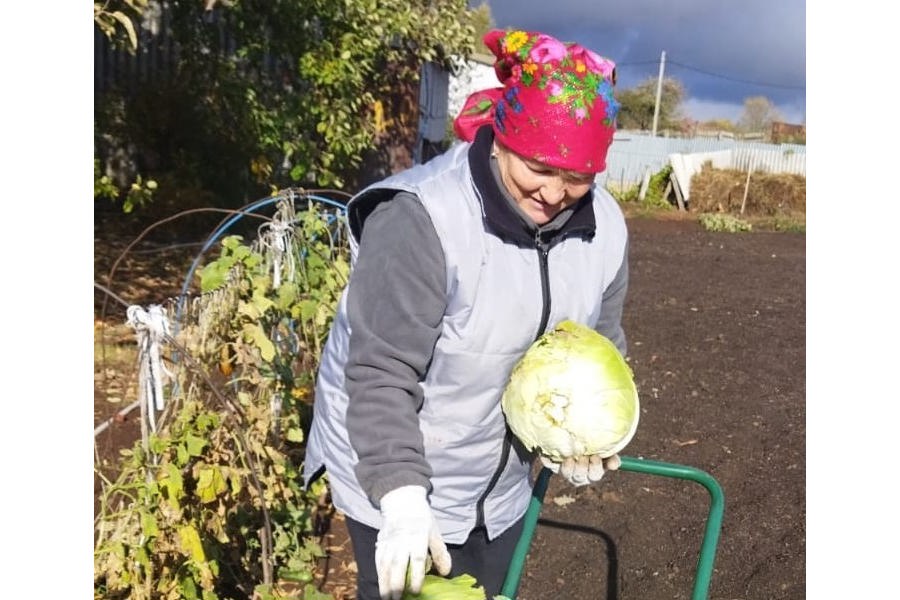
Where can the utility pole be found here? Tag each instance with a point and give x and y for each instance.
(662, 67)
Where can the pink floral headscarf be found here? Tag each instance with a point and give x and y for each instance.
(556, 105)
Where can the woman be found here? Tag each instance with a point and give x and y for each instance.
(458, 266)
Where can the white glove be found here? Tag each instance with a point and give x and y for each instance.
(408, 533)
(582, 470)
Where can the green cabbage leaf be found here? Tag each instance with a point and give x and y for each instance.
(435, 587)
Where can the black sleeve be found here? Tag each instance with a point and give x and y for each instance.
(396, 302)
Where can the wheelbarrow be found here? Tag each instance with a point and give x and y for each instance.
(651, 467)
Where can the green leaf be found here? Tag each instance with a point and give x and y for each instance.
(301, 576)
(255, 334)
(149, 526)
(264, 592)
(210, 483)
(311, 593)
(297, 172)
(188, 587)
(287, 294)
(195, 444)
(213, 276)
(261, 303)
(232, 241)
(250, 310)
(172, 483)
(141, 557)
(182, 455)
(190, 544)
(461, 587)
(308, 309)
(157, 444)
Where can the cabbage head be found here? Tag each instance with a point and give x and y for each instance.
(434, 587)
(572, 394)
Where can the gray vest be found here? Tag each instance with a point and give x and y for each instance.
(493, 315)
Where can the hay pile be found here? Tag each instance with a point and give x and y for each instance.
(770, 195)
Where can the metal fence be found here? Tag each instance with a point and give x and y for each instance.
(633, 153)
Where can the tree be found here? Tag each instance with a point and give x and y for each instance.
(265, 94)
(482, 22)
(639, 103)
(759, 112)
(718, 125)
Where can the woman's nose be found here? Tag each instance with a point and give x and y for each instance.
(553, 191)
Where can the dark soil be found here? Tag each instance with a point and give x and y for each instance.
(716, 328)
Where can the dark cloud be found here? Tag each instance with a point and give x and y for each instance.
(723, 51)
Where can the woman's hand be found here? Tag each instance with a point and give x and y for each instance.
(582, 470)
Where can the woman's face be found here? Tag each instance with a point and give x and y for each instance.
(540, 190)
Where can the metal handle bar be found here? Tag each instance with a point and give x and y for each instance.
(651, 467)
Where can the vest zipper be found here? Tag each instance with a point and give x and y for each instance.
(504, 457)
(543, 250)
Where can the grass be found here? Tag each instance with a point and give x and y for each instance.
(793, 223)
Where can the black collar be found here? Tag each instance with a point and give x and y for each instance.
(503, 220)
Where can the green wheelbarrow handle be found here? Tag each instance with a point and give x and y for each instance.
(651, 467)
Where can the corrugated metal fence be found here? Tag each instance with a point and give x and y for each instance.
(632, 154)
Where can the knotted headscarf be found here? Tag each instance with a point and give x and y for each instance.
(556, 105)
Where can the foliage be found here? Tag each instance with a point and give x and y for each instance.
(654, 196)
(638, 105)
(115, 18)
(759, 112)
(262, 95)
(723, 222)
(103, 185)
(434, 587)
(212, 506)
(482, 22)
(718, 125)
(786, 223)
(139, 193)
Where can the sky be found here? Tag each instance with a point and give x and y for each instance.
(722, 51)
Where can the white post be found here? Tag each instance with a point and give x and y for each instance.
(747, 185)
(662, 66)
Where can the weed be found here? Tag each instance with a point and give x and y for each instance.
(723, 222)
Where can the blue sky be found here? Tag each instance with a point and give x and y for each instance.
(723, 51)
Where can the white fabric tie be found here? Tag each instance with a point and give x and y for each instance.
(152, 327)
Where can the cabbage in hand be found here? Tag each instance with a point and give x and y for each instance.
(572, 394)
